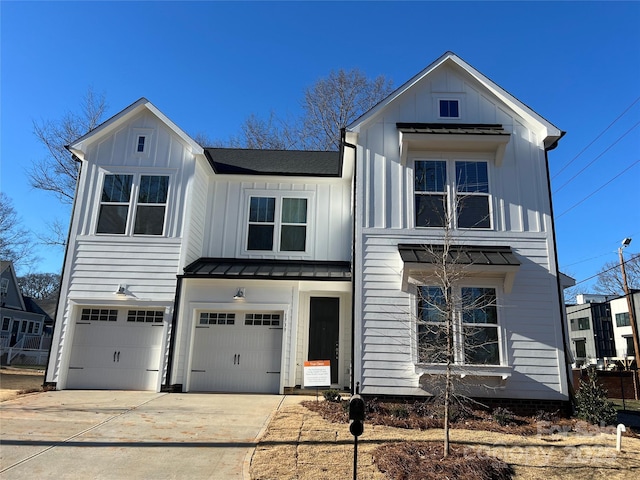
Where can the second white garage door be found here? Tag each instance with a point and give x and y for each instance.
(237, 352)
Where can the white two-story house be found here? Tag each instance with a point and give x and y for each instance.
(198, 269)
(212, 269)
(451, 163)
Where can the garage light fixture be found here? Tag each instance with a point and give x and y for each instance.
(239, 294)
(121, 290)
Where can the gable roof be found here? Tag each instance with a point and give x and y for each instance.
(7, 266)
(79, 146)
(550, 132)
(236, 161)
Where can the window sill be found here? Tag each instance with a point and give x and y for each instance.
(462, 371)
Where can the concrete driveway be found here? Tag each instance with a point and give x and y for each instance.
(117, 434)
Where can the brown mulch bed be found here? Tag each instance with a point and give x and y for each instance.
(423, 416)
(425, 461)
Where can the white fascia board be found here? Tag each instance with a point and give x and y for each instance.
(80, 145)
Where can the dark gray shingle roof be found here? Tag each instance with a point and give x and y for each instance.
(236, 161)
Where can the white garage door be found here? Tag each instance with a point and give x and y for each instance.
(237, 352)
(116, 350)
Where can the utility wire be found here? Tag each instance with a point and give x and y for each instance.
(595, 139)
(598, 189)
(593, 161)
(608, 269)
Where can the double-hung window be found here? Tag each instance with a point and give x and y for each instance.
(460, 324)
(277, 224)
(133, 203)
(470, 204)
(472, 200)
(430, 192)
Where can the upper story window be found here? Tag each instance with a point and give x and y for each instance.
(579, 324)
(449, 108)
(622, 319)
(4, 286)
(122, 211)
(473, 328)
(277, 223)
(434, 205)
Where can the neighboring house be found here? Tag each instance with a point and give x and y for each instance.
(591, 332)
(193, 269)
(600, 329)
(25, 334)
(196, 269)
(449, 134)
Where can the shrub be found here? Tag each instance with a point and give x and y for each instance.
(399, 411)
(592, 403)
(332, 395)
(503, 416)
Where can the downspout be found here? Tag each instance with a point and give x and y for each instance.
(565, 344)
(45, 384)
(167, 387)
(343, 144)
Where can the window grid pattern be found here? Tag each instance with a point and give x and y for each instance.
(99, 314)
(474, 329)
(622, 319)
(216, 318)
(262, 319)
(449, 108)
(145, 316)
(152, 200)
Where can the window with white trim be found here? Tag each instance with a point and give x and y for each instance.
(473, 329)
(145, 316)
(277, 224)
(468, 180)
(6, 321)
(133, 204)
(140, 143)
(448, 108)
(99, 314)
(4, 286)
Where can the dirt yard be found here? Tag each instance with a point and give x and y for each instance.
(15, 380)
(299, 444)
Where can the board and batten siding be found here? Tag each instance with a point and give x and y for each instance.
(97, 264)
(518, 187)
(196, 215)
(328, 224)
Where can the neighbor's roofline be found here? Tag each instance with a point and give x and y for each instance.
(552, 131)
(78, 146)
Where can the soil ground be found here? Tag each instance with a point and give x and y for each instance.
(299, 444)
(16, 380)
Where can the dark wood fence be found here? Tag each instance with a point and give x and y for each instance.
(619, 384)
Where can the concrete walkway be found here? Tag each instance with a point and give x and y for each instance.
(117, 434)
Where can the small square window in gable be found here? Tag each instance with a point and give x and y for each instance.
(448, 108)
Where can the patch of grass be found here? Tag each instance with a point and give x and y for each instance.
(425, 461)
(629, 405)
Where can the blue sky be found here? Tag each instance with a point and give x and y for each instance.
(209, 65)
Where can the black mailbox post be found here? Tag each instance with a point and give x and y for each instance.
(356, 417)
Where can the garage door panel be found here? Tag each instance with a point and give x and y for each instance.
(115, 354)
(236, 358)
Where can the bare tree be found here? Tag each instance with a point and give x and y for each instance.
(58, 172)
(328, 105)
(41, 286)
(334, 102)
(16, 242)
(457, 325)
(610, 276)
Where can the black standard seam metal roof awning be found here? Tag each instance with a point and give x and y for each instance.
(268, 269)
(490, 261)
(475, 137)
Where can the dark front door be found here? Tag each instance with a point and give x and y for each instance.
(15, 328)
(324, 322)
